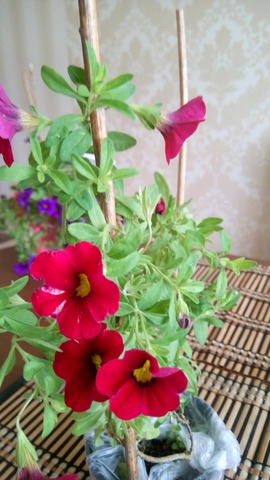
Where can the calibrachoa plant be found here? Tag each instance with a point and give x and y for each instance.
(118, 298)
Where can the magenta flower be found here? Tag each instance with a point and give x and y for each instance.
(161, 207)
(177, 126)
(12, 120)
(78, 364)
(75, 291)
(136, 385)
(35, 474)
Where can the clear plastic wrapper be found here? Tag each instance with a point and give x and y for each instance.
(215, 449)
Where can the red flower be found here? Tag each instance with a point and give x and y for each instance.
(12, 120)
(75, 291)
(78, 364)
(137, 385)
(161, 207)
(177, 126)
(35, 474)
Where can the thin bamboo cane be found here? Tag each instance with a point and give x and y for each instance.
(89, 31)
(182, 57)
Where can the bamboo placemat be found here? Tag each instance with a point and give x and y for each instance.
(235, 380)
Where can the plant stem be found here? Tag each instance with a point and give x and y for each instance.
(131, 454)
(89, 31)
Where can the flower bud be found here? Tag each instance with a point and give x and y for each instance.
(161, 207)
(184, 322)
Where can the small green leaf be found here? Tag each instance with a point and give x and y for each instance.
(8, 364)
(57, 83)
(49, 420)
(74, 211)
(118, 268)
(225, 242)
(16, 172)
(4, 299)
(163, 187)
(106, 157)
(84, 167)
(221, 283)
(36, 149)
(116, 104)
(76, 142)
(117, 81)
(62, 181)
(77, 75)
(60, 127)
(83, 231)
(124, 173)
(151, 296)
(121, 141)
(201, 331)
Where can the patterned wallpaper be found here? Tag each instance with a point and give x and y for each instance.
(228, 159)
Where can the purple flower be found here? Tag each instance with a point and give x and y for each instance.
(23, 198)
(184, 321)
(12, 120)
(47, 205)
(23, 268)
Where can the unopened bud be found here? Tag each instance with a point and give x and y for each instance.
(184, 321)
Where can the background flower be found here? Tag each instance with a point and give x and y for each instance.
(78, 364)
(75, 290)
(137, 385)
(35, 474)
(177, 126)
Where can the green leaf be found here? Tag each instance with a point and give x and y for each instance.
(77, 75)
(57, 83)
(225, 242)
(4, 299)
(243, 264)
(124, 173)
(16, 172)
(118, 268)
(151, 296)
(95, 213)
(121, 141)
(124, 309)
(94, 65)
(83, 231)
(116, 104)
(117, 81)
(49, 420)
(74, 211)
(8, 364)
(201, 331)
(106, 157)
(163, 187)
(61, 180)
(210, 225)
(36, 149)
(76, 142)
(221, 283)
(60, 127)
(84, 167)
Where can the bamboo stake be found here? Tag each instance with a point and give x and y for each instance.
(182, 56)
(30, 86)
(89, 31)
(131, 454)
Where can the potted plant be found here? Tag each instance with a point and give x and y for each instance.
(119, 296)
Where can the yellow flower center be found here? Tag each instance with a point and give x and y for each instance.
(97, 360)
(84, 286)
(143, 374)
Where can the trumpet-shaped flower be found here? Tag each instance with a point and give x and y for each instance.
(78, 364)
(177, 126)
(35, 474)
(12, 120)
(75, 291)
(136, 385)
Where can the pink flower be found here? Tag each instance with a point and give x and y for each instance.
(136, 385)
(161, 207)
(12, 120)
(35, 474)
(75, 291)
(177, 126)
(78, 364)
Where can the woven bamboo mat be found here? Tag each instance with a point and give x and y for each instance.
(235, 380)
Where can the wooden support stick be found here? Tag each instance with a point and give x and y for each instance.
(182, 56)
(131, 454)
(89, 31)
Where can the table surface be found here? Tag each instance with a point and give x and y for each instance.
(235, 380)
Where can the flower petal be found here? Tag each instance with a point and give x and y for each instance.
(6, 151)
(55, 268)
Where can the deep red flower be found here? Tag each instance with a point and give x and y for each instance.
(35, 474)
(136, 385)
(75, 291)
(177, 126)
(12, 120)
(161, 207)
(78, 364)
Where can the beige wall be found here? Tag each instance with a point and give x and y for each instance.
(228, 167)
